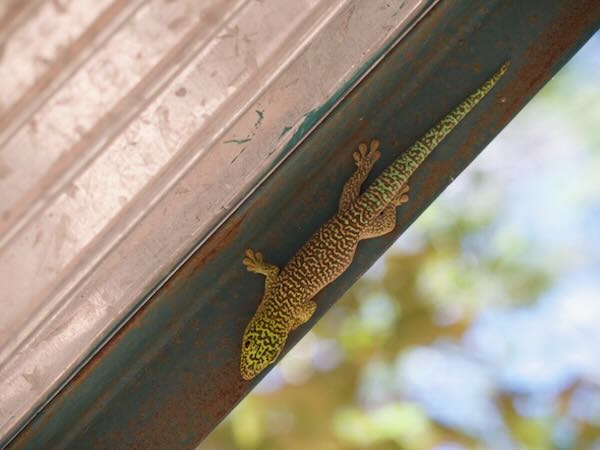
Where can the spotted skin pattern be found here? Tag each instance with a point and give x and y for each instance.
(288, 298)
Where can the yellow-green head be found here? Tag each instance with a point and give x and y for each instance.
(262, 342)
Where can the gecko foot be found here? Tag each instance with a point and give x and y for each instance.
(366, 156)
(402, 196)
(254, 261)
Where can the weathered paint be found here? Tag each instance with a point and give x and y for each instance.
(171, 374)
(237, 141)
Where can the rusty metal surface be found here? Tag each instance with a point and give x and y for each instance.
(128, 130)
(171, 374)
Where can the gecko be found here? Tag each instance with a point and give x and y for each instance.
(288, 299)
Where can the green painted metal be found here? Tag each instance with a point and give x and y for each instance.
(172, 372)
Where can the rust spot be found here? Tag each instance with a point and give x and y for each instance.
(558, 37)
(214, 244)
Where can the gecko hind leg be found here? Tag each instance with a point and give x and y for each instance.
(303, 314)
(386, 221)
(364, 158)
(254, 263)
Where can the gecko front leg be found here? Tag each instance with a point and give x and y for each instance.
(254, 263)
(364, 158)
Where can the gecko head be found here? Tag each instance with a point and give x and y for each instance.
(261, 345)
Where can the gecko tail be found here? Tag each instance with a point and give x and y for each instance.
(425, 145)
(390, 181)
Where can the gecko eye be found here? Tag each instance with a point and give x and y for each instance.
(247, 344)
